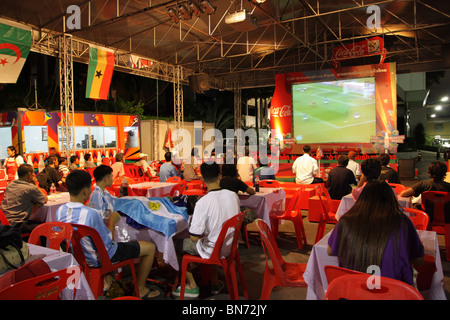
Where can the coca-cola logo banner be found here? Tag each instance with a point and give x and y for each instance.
(360, 49)
(281, 112)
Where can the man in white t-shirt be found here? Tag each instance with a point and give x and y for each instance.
(245, 166)
(354, 166)
(210, 213)
(306, 168)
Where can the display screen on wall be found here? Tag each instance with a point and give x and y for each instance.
(36, 139)
(334, 111)
(131, 137)
(5, 141)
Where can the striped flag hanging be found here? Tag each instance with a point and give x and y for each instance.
(15, 44)
(100, 71)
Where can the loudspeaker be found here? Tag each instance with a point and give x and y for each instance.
(199, 82)
(446, 54)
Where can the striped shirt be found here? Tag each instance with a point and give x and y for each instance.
(102, 200)
(75, 212)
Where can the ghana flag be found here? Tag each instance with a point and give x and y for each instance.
(101, 67)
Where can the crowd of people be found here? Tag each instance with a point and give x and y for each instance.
(373, 232)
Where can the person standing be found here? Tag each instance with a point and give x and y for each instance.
(12, 163)
(306, 168)
(353, 165)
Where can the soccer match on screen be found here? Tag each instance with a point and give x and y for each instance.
(334, 111)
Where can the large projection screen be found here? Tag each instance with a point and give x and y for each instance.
(341, 111)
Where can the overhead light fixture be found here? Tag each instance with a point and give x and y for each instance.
(241, 20)
(444, 99)
(208, 7)
(433, 115)
(185, 12)
(195, 9)
(260, 1)
(173, 15)
(438, 108)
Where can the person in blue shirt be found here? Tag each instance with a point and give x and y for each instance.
(168, 170)
(101, 199)
(78, 184)
(264, 172)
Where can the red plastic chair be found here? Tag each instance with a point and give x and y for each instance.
(354, 287)
(177, 190)
(398, 187)
(127, 298)
(95, 275)
(282, 273)
(44, 287)
(174, 179)
(56, 233)
(3, 219)
(227, 263)
(419, 218)
(269, 183)
(292, 213)
(327, 216)
(106, 161)
(437, 205)
(333, 272)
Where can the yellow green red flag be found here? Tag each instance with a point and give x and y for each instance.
(100, 70)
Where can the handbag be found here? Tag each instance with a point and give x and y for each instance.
(12, 248)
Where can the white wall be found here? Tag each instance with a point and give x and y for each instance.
(153, 134)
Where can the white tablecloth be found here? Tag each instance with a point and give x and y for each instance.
(347, 202)
(317, 281)
(58, 260)
(124, 232)
(263, 201)
(154, 189)
(48, 211)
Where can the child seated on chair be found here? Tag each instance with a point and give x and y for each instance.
(101, 199)
(78, 184)
(210, 212)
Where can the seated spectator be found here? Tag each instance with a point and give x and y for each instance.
(387, 173)
(191, 166)
(210, 212)
(371, 169)
(264, 172)
(144, 166)
(230, 180)
(74, 162)
(20, 197)
(88, 163)
(63, 169)
(53, 174)
(353, 165)
(101, 199)
(306, 168)
(437, 171)
(245, 166)
(375, 232)
(340, 179)
(118, 167)
(167, 169)
(79, 186)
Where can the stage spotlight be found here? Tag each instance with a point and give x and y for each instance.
(195, 9)
(173, 15)
(185, 12)
(208, 7)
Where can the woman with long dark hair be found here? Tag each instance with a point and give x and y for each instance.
(12, 163)
(375, 232)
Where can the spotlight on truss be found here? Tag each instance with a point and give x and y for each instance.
(185, 12)
(195, 9)
(208, 7)
(173, 15)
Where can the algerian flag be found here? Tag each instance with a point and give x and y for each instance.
(100, 71)
(15, 44)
